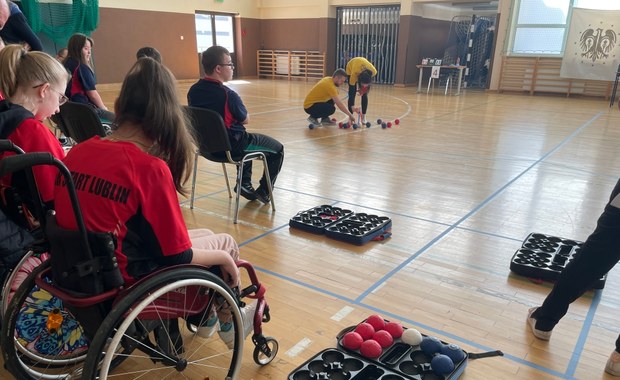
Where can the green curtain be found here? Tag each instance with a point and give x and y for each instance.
(59, 20)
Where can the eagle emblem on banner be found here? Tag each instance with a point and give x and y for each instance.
(597, 43)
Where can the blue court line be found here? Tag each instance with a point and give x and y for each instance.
(581, 341)
(475, 210)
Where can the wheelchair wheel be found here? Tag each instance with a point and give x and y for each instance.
(18, 274)
(266, 350)
(151, 318)
(40, 338)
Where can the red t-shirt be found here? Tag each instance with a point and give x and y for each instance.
(33, 136)
(130, 193)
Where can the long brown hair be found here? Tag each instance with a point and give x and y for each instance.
(75, 45)
(148, 98)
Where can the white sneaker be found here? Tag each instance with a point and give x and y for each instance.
(227, 333)
(613, 364)
(313, 120)
(209, 328)
(544, 335)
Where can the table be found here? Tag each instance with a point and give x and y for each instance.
(443, 67)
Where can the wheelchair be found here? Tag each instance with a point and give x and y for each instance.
(17, 268)
(72, 317)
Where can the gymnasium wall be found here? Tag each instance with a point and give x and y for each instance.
(419, 38)
(261, 24)
(122, 32)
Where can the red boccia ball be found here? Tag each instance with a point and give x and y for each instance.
(389, 124)
(352, 340)
(365, 330)
(371, 349)
(395, 329)
(396, 121)
(384, 338)
(376, 321)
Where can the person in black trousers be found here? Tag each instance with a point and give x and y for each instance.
(599, 253)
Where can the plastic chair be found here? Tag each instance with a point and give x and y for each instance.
(215, 146)
(79, 122)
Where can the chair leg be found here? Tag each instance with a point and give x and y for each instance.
(238, 191)
(191, 202)
(226, 178)
(269, 186)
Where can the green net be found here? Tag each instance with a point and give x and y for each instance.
(59, 19)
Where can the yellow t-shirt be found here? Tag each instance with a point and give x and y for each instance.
(356, 65)
(324, 90)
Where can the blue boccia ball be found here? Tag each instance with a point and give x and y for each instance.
(453, 351)
(311, 126)
(383, 125)
(379, 121)
(442, 364)
(368, 124)
(430, 345)
(355, 126)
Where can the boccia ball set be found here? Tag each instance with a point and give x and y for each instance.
(359, 124)
(378, 349)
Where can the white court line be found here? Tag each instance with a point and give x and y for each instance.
(342, 313)
(299, 347)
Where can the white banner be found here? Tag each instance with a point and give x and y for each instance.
(593, 45)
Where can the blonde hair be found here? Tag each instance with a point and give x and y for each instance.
(23, 70)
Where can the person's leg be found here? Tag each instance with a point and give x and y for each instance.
(321, 110)
(105, 116)
(364, 103)
(351, 100)
(274, 151)
(238, 150)
(206, 239)
(599, 253)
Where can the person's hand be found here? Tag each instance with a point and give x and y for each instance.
(352, 119)
(356, 109)
(230, 273)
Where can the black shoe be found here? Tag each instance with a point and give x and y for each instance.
(247, 191)
(263, 195)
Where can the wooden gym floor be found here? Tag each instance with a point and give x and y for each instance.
(464, 179)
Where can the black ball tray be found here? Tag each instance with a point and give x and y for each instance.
(544, 257)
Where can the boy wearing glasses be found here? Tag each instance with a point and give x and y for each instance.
(211, 93)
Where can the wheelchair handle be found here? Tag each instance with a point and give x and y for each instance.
(23, 161)
(7, 145)
(27, 160)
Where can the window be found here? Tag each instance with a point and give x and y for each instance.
(222, 25)
(540, 26)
